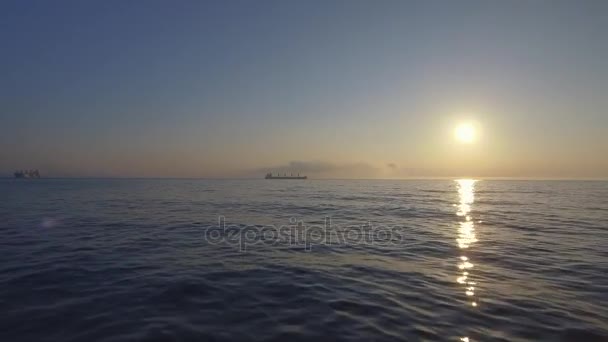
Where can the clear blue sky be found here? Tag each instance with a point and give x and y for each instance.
(333, 88)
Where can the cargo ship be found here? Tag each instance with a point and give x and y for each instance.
(27, 174)
(269, 175)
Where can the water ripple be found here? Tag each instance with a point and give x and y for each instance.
(110, 260)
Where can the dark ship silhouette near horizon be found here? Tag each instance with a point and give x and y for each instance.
(269, 175)
(27, 174)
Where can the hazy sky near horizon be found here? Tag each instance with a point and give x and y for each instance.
(329, 88)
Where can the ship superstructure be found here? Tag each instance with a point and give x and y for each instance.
(27, 174)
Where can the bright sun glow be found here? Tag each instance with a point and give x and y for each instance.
(465, 133)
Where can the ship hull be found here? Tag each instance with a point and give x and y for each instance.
(275, 177)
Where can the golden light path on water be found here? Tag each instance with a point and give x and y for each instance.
(466, 238)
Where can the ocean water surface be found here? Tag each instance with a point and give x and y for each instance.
(285, 260)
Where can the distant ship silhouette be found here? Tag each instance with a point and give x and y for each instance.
(27, 174)
(269, 175)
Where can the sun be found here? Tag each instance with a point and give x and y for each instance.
(465, 133)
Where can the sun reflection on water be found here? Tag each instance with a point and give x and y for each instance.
(466, 238)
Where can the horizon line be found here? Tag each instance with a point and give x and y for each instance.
(499, 178)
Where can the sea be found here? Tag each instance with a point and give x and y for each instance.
(303, 260)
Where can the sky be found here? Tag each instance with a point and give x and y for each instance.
(332, 89)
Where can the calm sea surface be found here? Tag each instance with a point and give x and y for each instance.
(128, 260)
